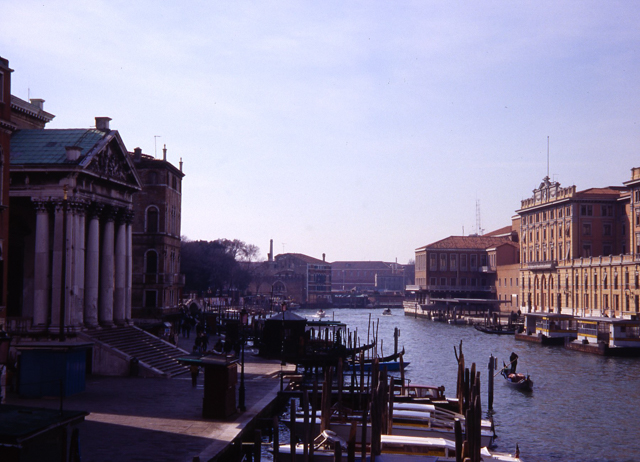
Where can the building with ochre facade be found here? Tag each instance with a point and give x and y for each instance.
(580, 250)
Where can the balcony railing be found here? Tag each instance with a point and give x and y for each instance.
(542, 265)
(459, 288)
(175, 279)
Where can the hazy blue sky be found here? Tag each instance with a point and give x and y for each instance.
(362, 130)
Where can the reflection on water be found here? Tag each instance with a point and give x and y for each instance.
(584, 408)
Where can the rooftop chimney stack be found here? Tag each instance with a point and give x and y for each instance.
(164, 153)
(323, 257)
(137, 154)
(271, 250)
(38, 102)
(73, 152)
(102, 123)
(181, 164)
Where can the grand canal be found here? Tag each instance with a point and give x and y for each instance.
(584, 408)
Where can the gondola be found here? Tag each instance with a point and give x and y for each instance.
(518, 381)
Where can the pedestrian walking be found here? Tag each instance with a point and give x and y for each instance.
(195, 370)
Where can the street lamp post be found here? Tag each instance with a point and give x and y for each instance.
(241, 392)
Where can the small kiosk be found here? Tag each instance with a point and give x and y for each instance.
(220, 379)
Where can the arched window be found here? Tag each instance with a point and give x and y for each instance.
(152, 219)
(151, 262)
(278, 288)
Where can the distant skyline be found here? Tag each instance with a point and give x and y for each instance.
(361, 130)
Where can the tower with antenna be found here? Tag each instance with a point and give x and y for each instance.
(479, 230)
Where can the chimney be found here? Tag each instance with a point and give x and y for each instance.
(73, 152)
(137, 154)
(39, 103)
(164, 153)
(181, 164)
(271, 250)
(102, 123)
(323, 257)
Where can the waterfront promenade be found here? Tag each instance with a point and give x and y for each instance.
(158, 419)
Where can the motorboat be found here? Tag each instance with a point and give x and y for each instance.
(320, 313)
(409, 419)
(387, 312)
(392, 446)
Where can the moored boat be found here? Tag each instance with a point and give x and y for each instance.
(393, 447)
(497, 329)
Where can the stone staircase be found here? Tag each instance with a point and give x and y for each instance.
(124, 345)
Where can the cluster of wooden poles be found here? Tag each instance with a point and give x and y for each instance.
(376, 411)
(468, 394)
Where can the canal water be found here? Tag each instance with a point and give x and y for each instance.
(583, 408)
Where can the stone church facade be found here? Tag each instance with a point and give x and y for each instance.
(71, 228)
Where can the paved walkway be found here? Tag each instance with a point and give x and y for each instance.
(157, 419)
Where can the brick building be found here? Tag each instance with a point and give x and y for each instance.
(293, 277)
(360, 276)
(6, 128)
(464, 270)
(157, 283)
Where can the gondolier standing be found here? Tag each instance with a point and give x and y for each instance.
(513, 360)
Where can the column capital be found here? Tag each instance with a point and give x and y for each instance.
(94, 210)
(128, 215)
(79, 206)
(123, 215)
(41, 205)
(109, 213)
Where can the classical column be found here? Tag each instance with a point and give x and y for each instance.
(129, 264)
(105, 309)
(120, 270)
(76, 302)
(60, 265)
(92, 267)
(42, 276)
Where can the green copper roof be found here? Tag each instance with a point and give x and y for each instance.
(48, 146)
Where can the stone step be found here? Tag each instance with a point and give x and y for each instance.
(147, 348)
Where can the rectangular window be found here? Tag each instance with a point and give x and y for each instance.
(433, 262)
(463, 281)
(586, 229)
(586, 250)
(586, 210)
(150, 298)
(443, 281)
(453, 282)
(606, 229)
(443, 262)
(463, 262)
(606, 249)
(432, 281)
(453, 262)
(474, 262)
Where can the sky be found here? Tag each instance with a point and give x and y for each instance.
(361, 130)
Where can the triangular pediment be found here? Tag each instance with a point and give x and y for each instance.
(109, 160)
